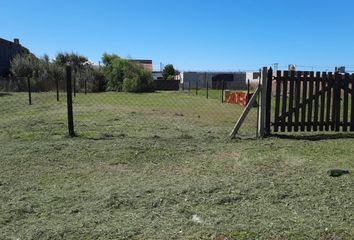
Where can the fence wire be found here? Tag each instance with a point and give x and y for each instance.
(171, 115)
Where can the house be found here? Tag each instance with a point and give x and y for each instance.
(8, 50)
(214, 80)
(253, 77)
(147, 64)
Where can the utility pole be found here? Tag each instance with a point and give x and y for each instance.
(275, 67)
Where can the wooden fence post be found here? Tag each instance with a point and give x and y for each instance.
(268, 101)
(74, 83)
(207, 85)
(29, 90)
(222, 91)
(263, 103)
(196, 88)
(69, 102)
(57, 86)
(207, 90)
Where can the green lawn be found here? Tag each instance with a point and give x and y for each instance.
(161, 166)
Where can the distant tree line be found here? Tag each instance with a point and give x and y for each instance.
(116, 74)
(44, 73)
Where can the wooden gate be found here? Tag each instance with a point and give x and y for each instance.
(309, 101)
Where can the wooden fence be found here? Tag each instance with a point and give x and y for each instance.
(166, 85)
(309, 101)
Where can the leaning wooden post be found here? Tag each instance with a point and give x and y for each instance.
(69, 99)
(29, 90)
(248, 91)
(245, 113)
(263, 103)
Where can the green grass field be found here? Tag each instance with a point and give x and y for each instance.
(161, 166)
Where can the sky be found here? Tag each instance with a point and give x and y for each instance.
(200, 35)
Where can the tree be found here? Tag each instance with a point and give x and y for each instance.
(137, 79)
(57, 75)
(99, 83)
(24, 66)
(123, 75)
(76, 60)
(168, 72)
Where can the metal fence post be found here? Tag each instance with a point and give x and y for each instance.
(69, 102)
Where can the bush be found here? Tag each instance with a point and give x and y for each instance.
(99, 83)
(170, 78)
(123, 75)
(138, 83)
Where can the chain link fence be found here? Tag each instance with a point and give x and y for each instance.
(192, 112)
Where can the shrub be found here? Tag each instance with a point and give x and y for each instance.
(123, 75)
(99, 83)
(141, 82)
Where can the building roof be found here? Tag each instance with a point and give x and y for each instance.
(142, 61)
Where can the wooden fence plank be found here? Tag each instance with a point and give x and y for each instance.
(291, 101)
(277, 101)
(310, 97)
(313, 102)
(345, 102)
(297, 101)
(352, 104)
(337, 106)
(284, 100)
(328, 103)
(316, 101)
(304, 97)
(334, 95)
(323, 100)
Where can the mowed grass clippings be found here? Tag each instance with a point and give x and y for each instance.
(161, 166)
